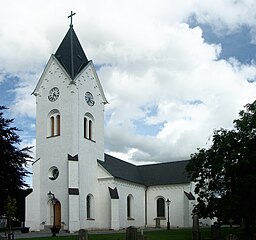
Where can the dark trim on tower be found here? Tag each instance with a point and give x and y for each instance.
(73, 191)
(73, 158)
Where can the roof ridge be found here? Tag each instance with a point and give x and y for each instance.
(121, 160)
(162, 163)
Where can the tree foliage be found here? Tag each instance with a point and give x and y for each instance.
(225, 174)
(13, 161)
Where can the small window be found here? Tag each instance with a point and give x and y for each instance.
(160, 207)
(53, 173)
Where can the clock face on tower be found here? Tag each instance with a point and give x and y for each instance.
(89, 99)
(54, 93)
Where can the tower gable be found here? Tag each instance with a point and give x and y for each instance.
(48, 70)
(89, 73)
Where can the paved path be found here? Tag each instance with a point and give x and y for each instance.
(45, 233)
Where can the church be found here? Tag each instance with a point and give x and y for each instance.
(75, 184)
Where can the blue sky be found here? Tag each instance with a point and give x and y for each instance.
(171, 72)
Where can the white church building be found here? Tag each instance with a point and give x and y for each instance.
(75, 184)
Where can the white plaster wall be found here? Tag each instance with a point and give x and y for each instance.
(138, 193)
(32, 213)
(176, 194)
(124, 189)
(104, 203)
(73, 174)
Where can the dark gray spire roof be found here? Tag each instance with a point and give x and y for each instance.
(70, 54)
(148, 175)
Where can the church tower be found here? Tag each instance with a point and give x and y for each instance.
(69, 140)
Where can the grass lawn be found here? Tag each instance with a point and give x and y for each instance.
(173, 234)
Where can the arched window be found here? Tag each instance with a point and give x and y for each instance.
(160, 206)
(53, 125)
(58, 125)
(130, 206)
(90, 129)
(90, 207)
(88, 126)
(85, 127)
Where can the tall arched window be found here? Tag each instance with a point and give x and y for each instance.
(90, 129)
(130, 206)
(85, 127)
(90, 207)
(160, 206)
(58, 125)
(88, 126)
(53, 125)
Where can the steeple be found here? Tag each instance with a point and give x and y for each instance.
(70, 53)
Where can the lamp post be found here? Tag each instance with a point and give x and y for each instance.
(168, 201)
(53, 200)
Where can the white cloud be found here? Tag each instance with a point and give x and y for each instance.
(148, 56)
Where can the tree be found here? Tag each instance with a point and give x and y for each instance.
(225, 174)
(13, 161)
(10, 209)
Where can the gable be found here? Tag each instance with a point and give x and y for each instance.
(103, 173)
(52, 61)
(90, 73)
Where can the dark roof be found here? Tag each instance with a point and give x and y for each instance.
(121, 169)
(165, 173)
(70, 54)
(148, 175)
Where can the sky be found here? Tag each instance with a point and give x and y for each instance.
(172, 71)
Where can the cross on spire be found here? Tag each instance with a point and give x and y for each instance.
(71, 16)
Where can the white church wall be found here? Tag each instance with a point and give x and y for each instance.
(138, 204)
(175, 194)
(104, 207)
(124, 189)
(114, 215)
(32, 214)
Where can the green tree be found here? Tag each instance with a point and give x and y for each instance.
(10, 207)
(225, 173)
(13, 161)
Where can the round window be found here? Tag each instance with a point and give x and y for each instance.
(53, 173)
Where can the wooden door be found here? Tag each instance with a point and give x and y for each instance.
(57, 214)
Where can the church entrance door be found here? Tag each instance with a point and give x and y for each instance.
(57, 214)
